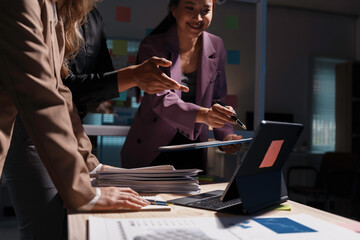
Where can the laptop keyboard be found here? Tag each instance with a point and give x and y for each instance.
(214, 203)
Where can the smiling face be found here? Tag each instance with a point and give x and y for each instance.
(193, 17)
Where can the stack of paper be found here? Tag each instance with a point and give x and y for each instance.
(157, 179)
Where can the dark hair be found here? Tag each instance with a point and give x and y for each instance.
(169, 20)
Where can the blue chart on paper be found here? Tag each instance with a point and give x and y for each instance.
(283, 225)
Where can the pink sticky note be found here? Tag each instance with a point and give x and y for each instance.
(123, 14)
(271, 154)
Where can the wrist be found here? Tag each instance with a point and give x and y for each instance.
(201, 115)
(125, 79)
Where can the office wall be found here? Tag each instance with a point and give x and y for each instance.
(293, 37)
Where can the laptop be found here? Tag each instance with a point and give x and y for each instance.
(257, 183)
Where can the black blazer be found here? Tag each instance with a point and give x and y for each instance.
(92, 78)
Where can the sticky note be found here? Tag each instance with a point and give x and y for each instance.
(233, 57)
(232, 22)
(123, 14)
(120, 47)
(283, 225)
(109, 43)
(133, 46)
(271, 154)
(111, 52)
(282, 207)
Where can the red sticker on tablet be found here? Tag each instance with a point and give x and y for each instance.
(271, 154)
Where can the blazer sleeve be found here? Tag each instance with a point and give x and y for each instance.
(220, 93)
(167, 104)
(92, 88)
(100, 85)
(27, 74)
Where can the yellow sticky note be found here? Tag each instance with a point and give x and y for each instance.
(120, 47)
(283, 207)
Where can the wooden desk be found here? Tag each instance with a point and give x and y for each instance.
(78, 230)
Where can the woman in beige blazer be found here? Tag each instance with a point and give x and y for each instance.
(32, 47)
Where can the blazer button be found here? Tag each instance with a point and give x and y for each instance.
(138, 140)
(155, 118)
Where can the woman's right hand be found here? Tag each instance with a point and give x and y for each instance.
(216, 116)
(119, 197)
(148, 77)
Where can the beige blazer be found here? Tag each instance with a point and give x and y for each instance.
(31, 54)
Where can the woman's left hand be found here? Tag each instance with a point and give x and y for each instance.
(232, 148)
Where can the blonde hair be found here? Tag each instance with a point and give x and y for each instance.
(73, 13)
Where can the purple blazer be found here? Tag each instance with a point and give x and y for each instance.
(160, 116)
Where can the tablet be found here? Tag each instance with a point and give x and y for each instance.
(190, 146)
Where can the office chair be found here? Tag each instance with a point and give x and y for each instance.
(337, 178)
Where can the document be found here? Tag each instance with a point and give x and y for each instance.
(182, 147)
(157, 179)
(294, 227)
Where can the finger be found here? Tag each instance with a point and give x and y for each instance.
(169, 82)
(224, 110)
(161, 62)
(184, 88)
(127, 190)
(132, 202)
(236, 137)
(221, 117)
(138, 200)
(229, 149)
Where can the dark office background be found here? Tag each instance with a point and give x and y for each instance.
(298, 33)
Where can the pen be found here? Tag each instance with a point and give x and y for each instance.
(157, 202)
(233, 117)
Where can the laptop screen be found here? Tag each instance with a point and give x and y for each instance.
(256, 180)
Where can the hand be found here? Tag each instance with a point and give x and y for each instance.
(233, 148)
(148, 77)
(216, 116)
(119, 197)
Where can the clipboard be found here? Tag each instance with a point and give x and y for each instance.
(191, 146)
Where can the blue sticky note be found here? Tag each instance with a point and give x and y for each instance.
(283, 225)
(109, 43)
(233, 57)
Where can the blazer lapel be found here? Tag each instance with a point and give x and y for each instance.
(207, 67)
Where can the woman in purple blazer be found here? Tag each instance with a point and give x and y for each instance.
(173, 117)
